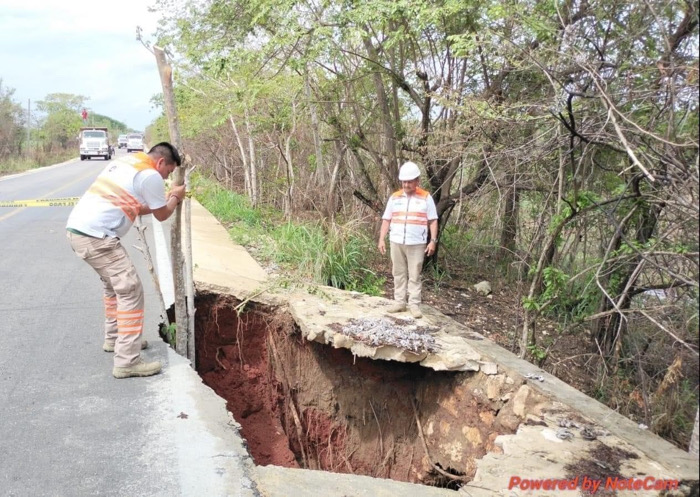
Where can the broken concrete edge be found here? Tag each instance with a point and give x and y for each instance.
(258, 295)
(679, 463)
(462, 349)
(277, 481)
(575, 462)
(208, 438)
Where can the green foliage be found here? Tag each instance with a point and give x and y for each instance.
(537, 353)
(225, 205)
(169, 332)
(34, 159)
(114, 127)
(438, 276)
(12, 123)
(330, 255)
(62, 117)
(554, 280)
(456, 241)
(562, 298)
(158, 131)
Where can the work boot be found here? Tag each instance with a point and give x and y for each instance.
(109, 346)
(415, 312)
(141, 368)
(397, 307)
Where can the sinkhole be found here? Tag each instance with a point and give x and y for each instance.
(302, 404)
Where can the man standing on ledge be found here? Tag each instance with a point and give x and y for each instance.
(410, 213)
(128, 187)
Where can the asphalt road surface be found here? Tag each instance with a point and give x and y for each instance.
(67, 427)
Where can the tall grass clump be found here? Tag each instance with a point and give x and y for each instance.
(225, 205)
(245, 224)
(33, 160)
(326, 254)
(333, 255)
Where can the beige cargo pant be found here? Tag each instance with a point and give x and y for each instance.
(123, 294)
(407, 264)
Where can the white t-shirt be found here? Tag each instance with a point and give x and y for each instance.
(110, 205)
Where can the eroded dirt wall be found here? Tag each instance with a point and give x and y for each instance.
(305, 404)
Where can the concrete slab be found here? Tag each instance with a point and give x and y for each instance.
(222, 266)
(275, 481)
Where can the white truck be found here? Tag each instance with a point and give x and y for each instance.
(134, 141)
(94, 142)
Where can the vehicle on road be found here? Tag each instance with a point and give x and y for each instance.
(94, 142)
(134, 142)
(122, 141)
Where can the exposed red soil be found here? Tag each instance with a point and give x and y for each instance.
(303, 404)
(235, 363)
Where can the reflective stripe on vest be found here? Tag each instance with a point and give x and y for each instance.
(111, 204)
(409, 218)
(119, 196)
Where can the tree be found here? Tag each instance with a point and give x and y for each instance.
(12, 122)
(62, 120)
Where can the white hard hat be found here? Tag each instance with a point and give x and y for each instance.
(408, 171)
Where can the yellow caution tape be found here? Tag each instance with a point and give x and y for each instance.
(41, 202)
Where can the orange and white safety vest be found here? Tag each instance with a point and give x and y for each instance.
(112, 203)
(409, 216)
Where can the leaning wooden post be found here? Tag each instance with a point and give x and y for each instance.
(181, 317)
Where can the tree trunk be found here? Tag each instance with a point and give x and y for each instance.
(289, 204)
(330, 206)
(181, 318)
(244, 159)
(390, 167)
(510, 221)
(320, 173)
(255, 196)
(612, 327)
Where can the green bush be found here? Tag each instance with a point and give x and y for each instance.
(35, 159)
(333, 255)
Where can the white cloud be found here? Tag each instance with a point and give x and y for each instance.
(81, 47)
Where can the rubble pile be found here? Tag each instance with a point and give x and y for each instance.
(402, 333)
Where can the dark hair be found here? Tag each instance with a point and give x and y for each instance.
(167, 152)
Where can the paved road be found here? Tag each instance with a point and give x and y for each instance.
(67, 427)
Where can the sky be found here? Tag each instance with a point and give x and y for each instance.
(82, 47)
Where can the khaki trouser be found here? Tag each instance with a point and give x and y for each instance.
(123, 294)
(407, 264)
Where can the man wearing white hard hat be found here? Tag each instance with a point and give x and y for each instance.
(411, 220)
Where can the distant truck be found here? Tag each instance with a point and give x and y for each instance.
(122, 141)
(94, 142)
(134, 141)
